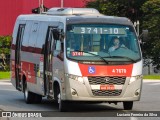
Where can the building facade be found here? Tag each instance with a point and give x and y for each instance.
(10, 9)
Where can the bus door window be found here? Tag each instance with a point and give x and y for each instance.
(33, 36)
(58, 48)
(18, 55)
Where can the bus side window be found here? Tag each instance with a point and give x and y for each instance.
(33, 37)
(40, 42)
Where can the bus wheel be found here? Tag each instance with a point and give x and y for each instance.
(37, 98)
(61, 103)
(128, 105)
(28, 96)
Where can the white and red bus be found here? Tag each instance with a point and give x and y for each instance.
(64, 54)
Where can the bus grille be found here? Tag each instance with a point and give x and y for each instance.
(114, 80)
(96, 80)
(106, 93)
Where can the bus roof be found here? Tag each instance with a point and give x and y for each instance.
(76, 15)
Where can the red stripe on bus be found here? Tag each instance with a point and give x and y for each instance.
(27, 69)
(104, 70)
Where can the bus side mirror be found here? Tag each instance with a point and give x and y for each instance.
(145, 35)
(56, 34)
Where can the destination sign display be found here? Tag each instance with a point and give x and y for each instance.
(99, 30)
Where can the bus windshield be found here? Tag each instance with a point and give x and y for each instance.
(97, 42)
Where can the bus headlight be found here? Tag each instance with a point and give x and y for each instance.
(80, 79)
(134, 78)
(75, 77)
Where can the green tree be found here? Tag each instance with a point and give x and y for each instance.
(151, 21)
(121, 8)
(5, 43)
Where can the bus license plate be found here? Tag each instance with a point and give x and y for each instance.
(107, 87)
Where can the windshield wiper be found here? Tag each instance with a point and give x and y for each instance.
(121, 57)
(102, 58)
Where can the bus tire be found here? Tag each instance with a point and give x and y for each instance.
(28, 96)
(128, 105)
(37, 98)
(61, 103)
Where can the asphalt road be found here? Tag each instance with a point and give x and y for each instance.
(12, 100)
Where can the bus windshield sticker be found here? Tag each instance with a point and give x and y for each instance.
(91, 69)
(76, 53)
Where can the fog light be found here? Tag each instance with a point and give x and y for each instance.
(137, 92)
(73, 92)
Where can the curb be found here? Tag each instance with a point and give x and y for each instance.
(151, 80)
(4, 79)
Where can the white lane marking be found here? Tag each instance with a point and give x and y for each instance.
(134, 118)
(151, 81)
(7, 90)
(154, 84)
(5, 83)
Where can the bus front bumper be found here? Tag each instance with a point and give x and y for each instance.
(77, 91)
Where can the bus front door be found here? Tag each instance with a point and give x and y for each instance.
(48, 55)
(18, 57)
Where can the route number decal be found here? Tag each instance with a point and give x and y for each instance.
(119, 71)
